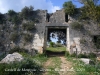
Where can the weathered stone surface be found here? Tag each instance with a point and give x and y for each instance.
(85, 60)
(12, 58)
(56, 20)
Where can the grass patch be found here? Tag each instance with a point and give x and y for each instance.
(26, 66)
(56, 49)
(21, 68)
(54, 64)
(39, 58)
(84, 69)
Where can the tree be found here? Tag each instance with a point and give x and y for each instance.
(69, 8)
(16, 19)
(11, 12)
(91, 9)
(1, 18)
(26, 11)
(85, 2)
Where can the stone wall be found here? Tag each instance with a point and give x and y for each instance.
(83, 39)
(56, 19)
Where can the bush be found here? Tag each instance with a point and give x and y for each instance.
(69, 8)
(73, 55)
(52, 44)
(26, 12)
(76, 26)
(11, 13)
(14, 37)
(91, 55)
(1, 18)
(28, 26)
(58, 45)
(67, 53)
(27, 37)
(21, 68)
(82, 56)
(16, 19)
(18, 49)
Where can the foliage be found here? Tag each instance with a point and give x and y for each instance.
(67, 53)
(28, 26)
(84, 69)
(69, 8)
(92, 55)
(14, 36)
(91, 9)
(56, 49)
(82, 56)
(26, 12)
(16, 19)
(52, 44)
(76, 25)
(25, 67)
(18, 49)
(27, 37)
(73, 55)
(11, 13)
(1, 18)
(13, 17)
(58, 45)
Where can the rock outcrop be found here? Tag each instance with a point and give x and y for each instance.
(10, 58)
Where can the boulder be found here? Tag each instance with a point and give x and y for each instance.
(10, 58)
(87, 61)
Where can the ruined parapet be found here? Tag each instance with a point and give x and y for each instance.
(57, 17)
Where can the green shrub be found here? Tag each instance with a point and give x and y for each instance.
(26, 12)
(58, 45)
(28, 26)
(18, 49)
(73, 55)
(14, 37)
(67, 53)
(82, 56)
(76, 26)
(1, 18)
(91, 55)
(16, 19)
(27, 37)
(11, 13)
(23, 66)
(52, 44)
(69, 8)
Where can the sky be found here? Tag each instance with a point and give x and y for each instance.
(17, 5)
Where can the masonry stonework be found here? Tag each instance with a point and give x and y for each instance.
(56, 20)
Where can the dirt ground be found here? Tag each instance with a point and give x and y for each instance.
(65, 67)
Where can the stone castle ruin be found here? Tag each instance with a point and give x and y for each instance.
(82, 41)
